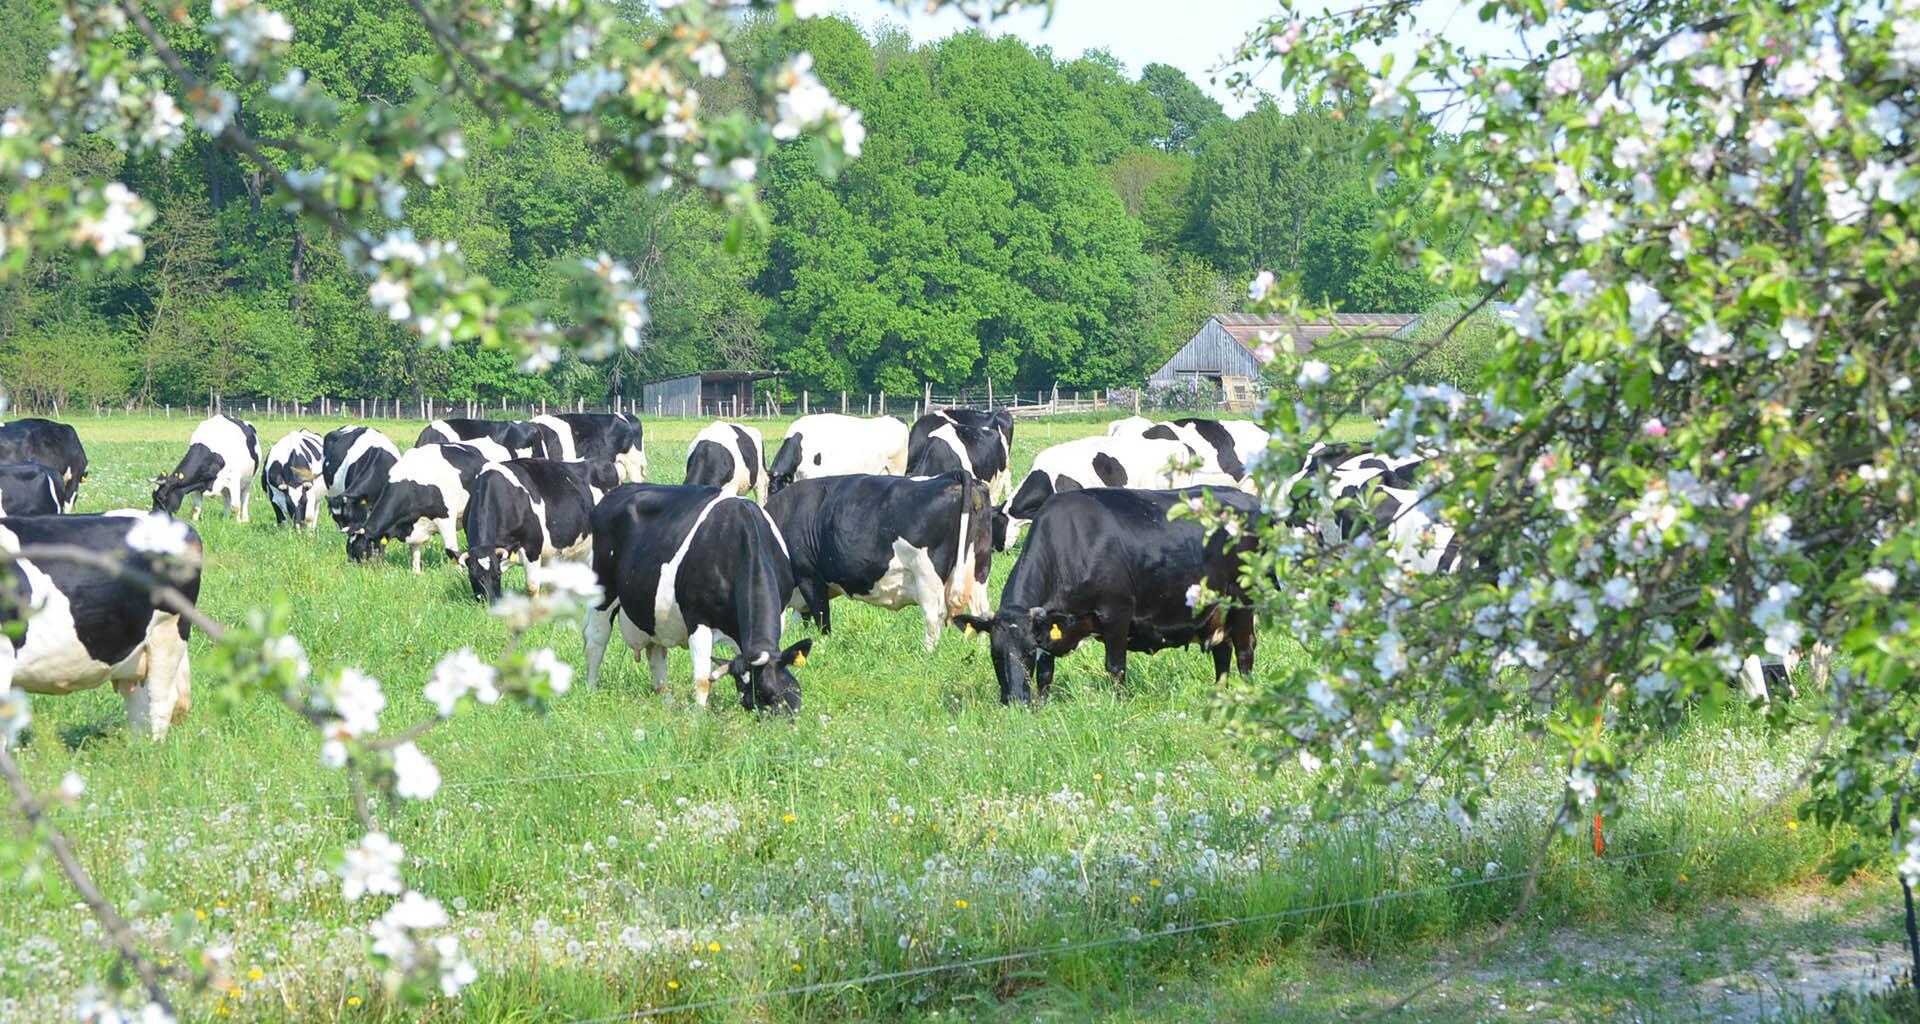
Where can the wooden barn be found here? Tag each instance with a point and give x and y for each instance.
(1220, 354)
(716, 393)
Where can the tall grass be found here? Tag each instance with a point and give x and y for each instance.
(627, 852)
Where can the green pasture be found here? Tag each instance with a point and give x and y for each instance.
(627, 852)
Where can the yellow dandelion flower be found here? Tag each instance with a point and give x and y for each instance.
(713, 947)
(962, 904)
(353, 1000)
(1155, 882)
(1097, 776)
(788, 818)
(256, 974)
(1133, 899)
(796, 965)
(199, 914)
(1793, 826)
(673, 983)
(1683, 876)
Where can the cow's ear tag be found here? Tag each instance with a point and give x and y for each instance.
(966, 630)
(800, 660)
(1054, 633)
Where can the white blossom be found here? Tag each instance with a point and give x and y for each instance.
(1844, 205)
(585, 87)
(456, 971)
(1645, 307)
(1389, 654)
(1385, 99)
(544, 662)
(355, 698)
(115, 227)
(371, 865)
(1880, 580)
(1583, 784)
(1563, 76)
(415, 777)
(1499, 263)
(1313, 373)
(710, 59)
(1262, 283)
(391, 294)
(1577, 284)
(457, 674)
(1680, 46)
(165, 127)
(1743, 188)
(1709, 339)
(72, 784)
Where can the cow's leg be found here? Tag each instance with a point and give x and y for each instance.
(449, 541)
(1240, 631)
(598, 630)
(1820, 663)
(534, 568)
(245, 502)
(1222, 660)
(168, 684)
(416, 549)
(279, 515)
(657, 665)
(7, 658)
(929, 590)
(1043, 675)
(197, 498)
(700, 648)
(1114, 626)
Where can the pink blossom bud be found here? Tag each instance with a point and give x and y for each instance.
(1654, 428)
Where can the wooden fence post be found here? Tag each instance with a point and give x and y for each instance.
(803, 401)
(843, 401)
(883, 403)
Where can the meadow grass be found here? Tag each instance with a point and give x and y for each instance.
(627, 852)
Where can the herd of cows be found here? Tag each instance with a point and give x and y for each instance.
(870, 509)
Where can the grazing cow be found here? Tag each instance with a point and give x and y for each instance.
(1107, 562)
(293, 470)
(426, 493)
(222, 455)
(1370, 493)
(829, 444)
(354, 465)
(84, 626)
(53, 445)
(728, 456)
(522, 440)
(29, 489)
(683, 565)
(1131, 426)
(1098, 462)
(1226, 446)
(613, 438)
(967, 440)
(532, 509)
(890, 541)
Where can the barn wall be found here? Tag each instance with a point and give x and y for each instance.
(1211, 352)
(679, 396)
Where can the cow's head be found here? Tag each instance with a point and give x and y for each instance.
(483, 572)
(1015, 636)
(766, 681)
(169, 489)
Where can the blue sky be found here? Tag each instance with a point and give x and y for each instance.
(1192, 35)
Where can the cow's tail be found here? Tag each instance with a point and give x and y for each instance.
(964, 592)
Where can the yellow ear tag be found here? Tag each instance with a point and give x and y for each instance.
(966, 630)
(1054, 633)
(799, 660)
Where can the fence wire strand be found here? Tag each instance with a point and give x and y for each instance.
(907, 974)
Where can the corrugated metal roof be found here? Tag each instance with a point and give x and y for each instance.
(1245, 328)
(720, 376)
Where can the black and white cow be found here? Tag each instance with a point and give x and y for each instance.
(683, 566)
(1225, 446)
(829, 444)
(889, 541)
(223, 454)
(969, 440)
(53, 445)
(29, 489)
(533, 510)
(292, 477)
(521, 439)
(1370, 493)
(1107, 562)
(426, 493)
(85, 626)
(613, 438)
(354, 465)
(729, 456)
(1136, 462)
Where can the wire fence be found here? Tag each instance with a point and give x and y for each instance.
(1135, 937)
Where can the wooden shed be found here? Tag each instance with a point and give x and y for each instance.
(707, 393)
(1221, 352)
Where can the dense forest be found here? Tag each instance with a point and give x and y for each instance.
(1015, 216)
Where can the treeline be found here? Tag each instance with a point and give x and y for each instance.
(1015, 216)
